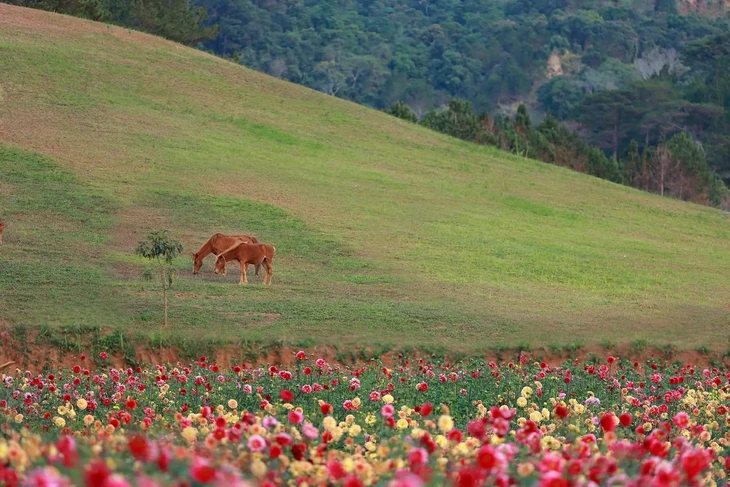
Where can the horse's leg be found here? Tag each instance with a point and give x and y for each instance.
(258, 267)
(269, 271)
(243, 275)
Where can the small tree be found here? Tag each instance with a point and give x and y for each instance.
(158, 246)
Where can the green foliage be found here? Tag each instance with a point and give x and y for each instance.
(403, 111)
(457, 120)
(159, 247)
(88, 9)
(176, 20)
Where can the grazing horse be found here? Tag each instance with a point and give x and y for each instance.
(2, 227)
(245, 254)
(217, 244)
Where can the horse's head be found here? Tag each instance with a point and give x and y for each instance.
(220, 265)
(197, 263)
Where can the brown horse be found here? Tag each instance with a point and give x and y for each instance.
(2, 227)
(217, 244)
(245, 254)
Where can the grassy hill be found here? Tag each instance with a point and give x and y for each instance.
(386, 233)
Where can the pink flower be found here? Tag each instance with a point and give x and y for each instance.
(320, 363)
(310, 431)
(404, 478)
(269, 422)
(247, 389)
(116, 481)
(307, 389)
(301, 355)
(418, 456)
(295, 417)
(375, 396)
(387, 411)
(256, 443)
(681, 420)
(45, 477)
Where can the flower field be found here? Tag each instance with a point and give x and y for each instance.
(417, 423)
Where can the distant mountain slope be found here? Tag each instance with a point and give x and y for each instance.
(385, 232)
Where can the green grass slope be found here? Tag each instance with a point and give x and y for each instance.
(386, 233)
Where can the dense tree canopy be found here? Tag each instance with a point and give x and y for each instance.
(624, 69)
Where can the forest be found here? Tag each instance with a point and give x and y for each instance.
(635, 91)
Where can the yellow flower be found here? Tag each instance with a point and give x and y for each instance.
(355, 430)
(445, 423)
(387, 399)
(62, 410)
(521, 402)
(329, 423)
(402, 424)
(337, 433)
(258, 468)
(526, 391)
(59, 421)
(18, 418)
(233, 404)
(356, 402)
(81, 403)
(189, 433)
(545, 414)
(417, 433)
(536, 416)
(370, 419)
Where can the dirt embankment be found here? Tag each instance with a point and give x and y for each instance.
(28, 354)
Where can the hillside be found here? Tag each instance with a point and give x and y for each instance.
(386, 233)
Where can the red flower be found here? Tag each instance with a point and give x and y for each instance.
(561, 411)
(295, 417)
(625, 419)
(131, 404)
(298, 451)
(301, 355)
(286, 395)
(275, 451)
(336, 470)
(353, 481)
(426, 409)
(201, 471)
(96, 473)
(326, 408)
(477, 428)
(140, 448)
(608, 422)
(221, 422)
(611, 359)
(694, 462)
(486, 458)
(77, 369)
(455, 435)
(103, 355)
(422, 386)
